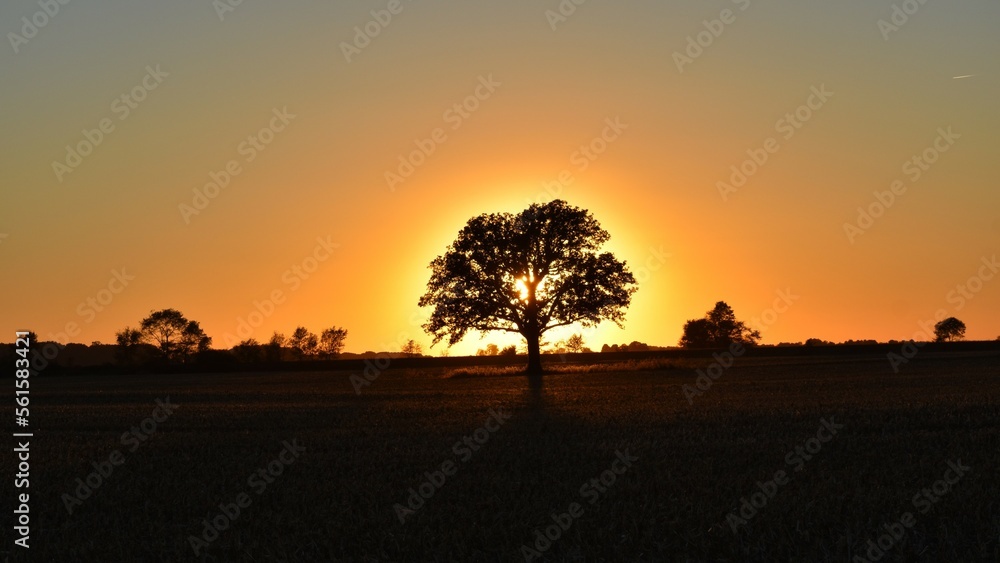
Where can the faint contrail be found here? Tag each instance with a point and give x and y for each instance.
(963, 76)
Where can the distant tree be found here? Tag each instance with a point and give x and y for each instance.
(303, 342)
(527, 273)
(249, 351)
(490, 350)
(719, 329)
(331, 341)
(128, 340)
(605, 348)
(574, 343)
(413, 347)
(176, 337)
(949, 330)
(194, 339)
(817, 342)
(272, 350)
(509, 351)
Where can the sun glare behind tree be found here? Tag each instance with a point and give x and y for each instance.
(527, 273)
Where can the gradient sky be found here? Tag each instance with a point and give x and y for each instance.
(655, 187)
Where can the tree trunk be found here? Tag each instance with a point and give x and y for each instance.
(533, 335)
(534, 356)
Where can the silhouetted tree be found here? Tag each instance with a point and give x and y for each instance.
(719, 329)
(508, 351)
(173, 335)
(490, 350)
(274, 347)
(574, 343)
(303, 342)
(527, 273)
(249, 351)
(413, 347)
(331, 341)
(128, 340)
(949, 330)
(194, 339)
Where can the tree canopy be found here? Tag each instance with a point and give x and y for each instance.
(949, 329)
(526, 273)
(718, 329)
(172, 334)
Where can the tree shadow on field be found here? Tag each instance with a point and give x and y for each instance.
(542, 456)
(534, 396)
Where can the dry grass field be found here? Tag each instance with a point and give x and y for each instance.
(833, 451)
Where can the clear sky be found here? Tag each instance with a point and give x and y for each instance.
(310, 104)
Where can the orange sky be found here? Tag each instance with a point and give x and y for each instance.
(198, 87)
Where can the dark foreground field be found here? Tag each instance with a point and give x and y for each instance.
(332, 495)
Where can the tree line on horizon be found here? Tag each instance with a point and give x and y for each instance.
(167, 336)
(523, 273)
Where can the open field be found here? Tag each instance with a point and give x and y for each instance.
(689, 465)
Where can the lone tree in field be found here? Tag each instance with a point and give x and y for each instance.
(574, 343)
(719, 329)
(413, 347)
(173, 334)
(527, 273)
(949, 330)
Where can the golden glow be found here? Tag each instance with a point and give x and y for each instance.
(653, 187)
(522, 287)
